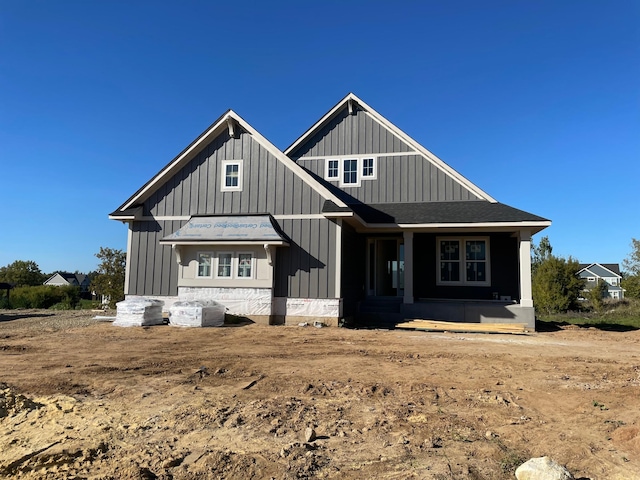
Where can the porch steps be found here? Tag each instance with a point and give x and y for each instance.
(379, 312)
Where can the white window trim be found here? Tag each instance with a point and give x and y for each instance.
(217, 266)
(359, 173)
(326, 169)
(463, 262)
(237, 267)
(223, 179)
(591, 279)
(374, 173)
(211, 266)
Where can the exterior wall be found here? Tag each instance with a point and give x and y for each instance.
(306, 269)
(152, 268)
(407, 177)
(503, 250)
(268, 186)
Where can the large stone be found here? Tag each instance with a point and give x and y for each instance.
(542, 468)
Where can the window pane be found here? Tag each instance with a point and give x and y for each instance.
(476, 271)
(449, 271)
(204, 265)
(350, 171)
(224, 265)
(231, 176)
(367, 167)
(244, 265)
(475, 249)
(449, 250)
(333, 169)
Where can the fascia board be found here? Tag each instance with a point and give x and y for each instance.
(210, 133)
(226, 242)
(486, 226)
(400, 134)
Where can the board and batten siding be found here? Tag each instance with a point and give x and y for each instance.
(405, 177)
(267, 184)
(153, 268)
(306, 268)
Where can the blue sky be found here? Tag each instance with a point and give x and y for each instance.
(536, 102)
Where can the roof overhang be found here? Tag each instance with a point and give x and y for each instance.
(228, 230)
(533, 227)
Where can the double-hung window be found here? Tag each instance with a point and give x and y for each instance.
(463, 261)
(231, 178)
(333, 172)
(224, 265)
(350, 171)
(204, 265)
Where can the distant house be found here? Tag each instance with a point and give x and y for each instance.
(593, 273)
(62, 279)
(354, 219)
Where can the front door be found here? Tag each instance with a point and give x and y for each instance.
(385, 267)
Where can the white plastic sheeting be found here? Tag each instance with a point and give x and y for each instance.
(307, 307)
(138, 312)
(203, 313)
(238, 301)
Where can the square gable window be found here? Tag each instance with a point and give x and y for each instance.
(231, 179)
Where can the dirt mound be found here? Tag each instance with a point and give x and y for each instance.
(12, 404)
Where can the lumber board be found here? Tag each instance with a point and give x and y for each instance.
(437, 325)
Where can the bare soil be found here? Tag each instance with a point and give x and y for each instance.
(84, 399)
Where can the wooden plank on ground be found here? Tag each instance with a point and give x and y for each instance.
(440, 326)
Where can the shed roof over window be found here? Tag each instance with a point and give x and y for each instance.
(230, 229)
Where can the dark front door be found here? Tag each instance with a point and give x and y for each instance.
(386, 267)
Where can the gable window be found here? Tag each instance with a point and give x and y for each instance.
(463, 261)
(204, 265)
(224, 265)
(245, 264)
(368, 168)
(231, 175)
(332, 172)
(591, 279)
(614, 281)
(350, 171)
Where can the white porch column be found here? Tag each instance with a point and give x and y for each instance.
(408, 267)
(338, 259)
(526, 297)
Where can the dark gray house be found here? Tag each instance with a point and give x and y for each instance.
(594, 273)
(354, 221)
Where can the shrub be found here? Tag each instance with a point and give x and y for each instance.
(45, 296)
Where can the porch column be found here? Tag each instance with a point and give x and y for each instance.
(408, 267)
(526, 297)
(338, 259)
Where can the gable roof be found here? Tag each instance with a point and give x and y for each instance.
(70, 278)
(231, 121)
(601, 269)
(347, 102)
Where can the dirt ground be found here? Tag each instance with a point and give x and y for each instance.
(85, 399)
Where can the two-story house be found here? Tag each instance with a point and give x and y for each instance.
(593, 273)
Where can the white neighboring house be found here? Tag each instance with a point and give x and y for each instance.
(62, 279)
(593, 273)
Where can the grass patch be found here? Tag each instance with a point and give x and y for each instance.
(621, 315)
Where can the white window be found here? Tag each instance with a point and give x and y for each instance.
(245, 265)
(231, 175)
(463, 261)
(614, 281)
(368, 168)
(224, 265)
(332, 169)
(350, 171)
(204, 265)
(591, 279)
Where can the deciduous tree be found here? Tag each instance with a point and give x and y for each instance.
(556, 285)
(22, 273)
(109, 280)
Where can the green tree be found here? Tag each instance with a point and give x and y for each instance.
(556, 285)
(22, 273)
(631, 271)
(597, 294)
(109, 280)
(631, 264)
(540, 253)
